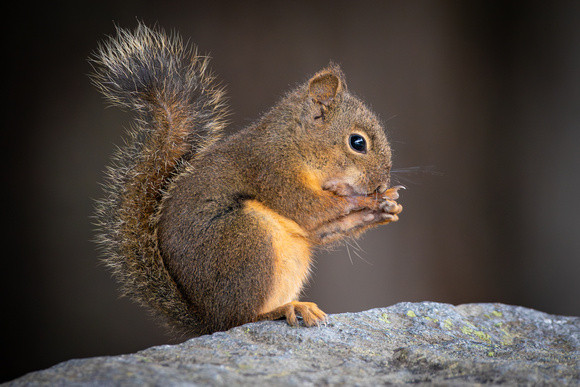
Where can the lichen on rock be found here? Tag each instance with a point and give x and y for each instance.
(405, 343)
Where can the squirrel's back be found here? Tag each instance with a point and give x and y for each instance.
(179, 110)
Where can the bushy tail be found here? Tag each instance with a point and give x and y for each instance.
(179, 111)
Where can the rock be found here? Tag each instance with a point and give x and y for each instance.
(419, 343)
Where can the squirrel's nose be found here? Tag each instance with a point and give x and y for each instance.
(382, 188)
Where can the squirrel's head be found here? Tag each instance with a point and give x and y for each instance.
(348, 151)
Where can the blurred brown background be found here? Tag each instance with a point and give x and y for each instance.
(486, 94)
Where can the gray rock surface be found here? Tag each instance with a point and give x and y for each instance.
(419, 343)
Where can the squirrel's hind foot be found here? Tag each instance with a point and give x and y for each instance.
(311, 314)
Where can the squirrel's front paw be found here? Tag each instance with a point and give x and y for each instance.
(311, 314)
(390, 209)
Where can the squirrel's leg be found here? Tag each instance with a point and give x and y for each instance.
(221, 256)
(290, 265)
(311, 314)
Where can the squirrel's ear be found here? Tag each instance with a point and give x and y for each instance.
(325, 86)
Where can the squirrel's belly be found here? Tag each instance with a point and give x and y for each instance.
(292, 255)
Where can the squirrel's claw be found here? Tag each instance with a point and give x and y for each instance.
(393, 192)
(309, 311)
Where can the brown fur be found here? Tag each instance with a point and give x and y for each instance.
(212, 232)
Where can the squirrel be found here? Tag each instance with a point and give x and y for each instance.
(210, 231)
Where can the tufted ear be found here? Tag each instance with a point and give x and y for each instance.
(326, 86)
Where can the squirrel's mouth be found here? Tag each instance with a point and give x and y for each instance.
(340, 187)
(343, 188)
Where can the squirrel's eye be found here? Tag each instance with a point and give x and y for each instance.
(358, 143)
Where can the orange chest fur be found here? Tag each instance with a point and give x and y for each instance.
(292, 254)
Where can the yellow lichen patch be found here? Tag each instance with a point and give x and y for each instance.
(507, 338)
(482, 336)
(385, 318)
(473, 331)
(447, 324)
